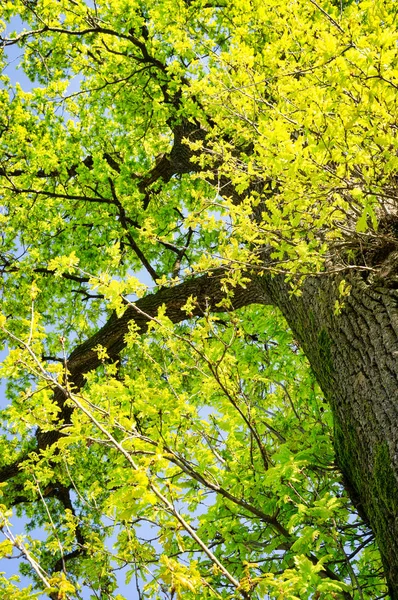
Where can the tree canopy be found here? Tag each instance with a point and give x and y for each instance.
(170, 157)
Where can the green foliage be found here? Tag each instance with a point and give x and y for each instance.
(181, 138)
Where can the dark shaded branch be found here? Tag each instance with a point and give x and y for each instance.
(88, 296)
(62, 494)
(71, 171)
(9, 471)
(208, 292)
(64, 275)
(49, 194)
(133, 244)
(8, 268)
(46, 29)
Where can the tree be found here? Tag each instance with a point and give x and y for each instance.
(242, 155)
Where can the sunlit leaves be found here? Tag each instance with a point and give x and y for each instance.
(177, 138)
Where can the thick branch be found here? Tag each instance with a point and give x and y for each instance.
(208, 293)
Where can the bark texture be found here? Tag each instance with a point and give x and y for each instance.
(355, 358)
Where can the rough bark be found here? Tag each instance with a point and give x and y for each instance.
(354, 357)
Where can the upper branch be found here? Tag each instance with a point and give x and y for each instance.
(208, 292)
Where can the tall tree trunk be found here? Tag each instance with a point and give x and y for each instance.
(354, 355)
